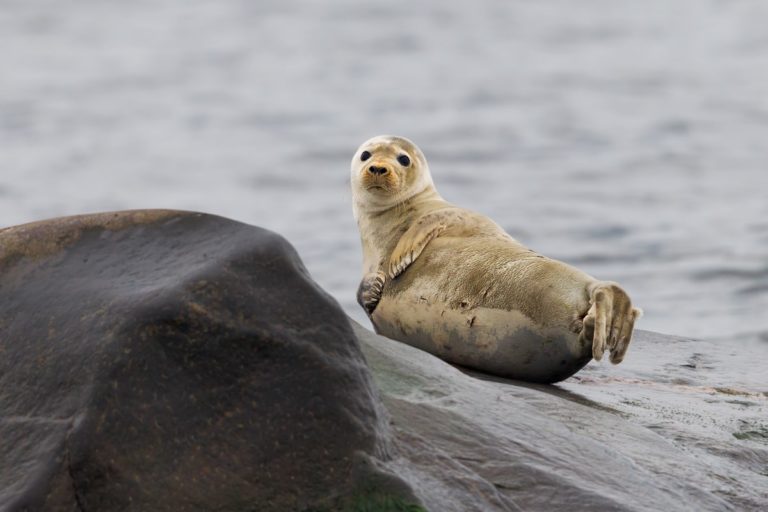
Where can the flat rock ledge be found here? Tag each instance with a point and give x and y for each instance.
(164, 360)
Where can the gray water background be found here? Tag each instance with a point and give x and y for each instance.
(627, 138)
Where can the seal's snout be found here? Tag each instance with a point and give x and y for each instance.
(377, 171)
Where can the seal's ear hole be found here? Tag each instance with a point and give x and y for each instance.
(404, 160)
(365, 155)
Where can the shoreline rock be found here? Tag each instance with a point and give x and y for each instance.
(161, 360)
(564, 447)
(178, 361)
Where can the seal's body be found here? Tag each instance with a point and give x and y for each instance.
(453, 283)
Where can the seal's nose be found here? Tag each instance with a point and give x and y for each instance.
(378, 170)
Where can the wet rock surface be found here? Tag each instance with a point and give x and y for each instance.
(610, 438)
(160, 360)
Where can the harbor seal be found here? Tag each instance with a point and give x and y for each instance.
(452, 282)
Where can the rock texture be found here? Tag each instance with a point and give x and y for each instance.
(614, 438)
(173, 361)
(161, 360)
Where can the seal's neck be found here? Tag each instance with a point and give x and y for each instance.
(365, 211)
(381, 228)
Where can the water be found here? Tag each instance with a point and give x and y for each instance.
(626, 138)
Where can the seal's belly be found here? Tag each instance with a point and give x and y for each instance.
(487, 315)
(504, 343)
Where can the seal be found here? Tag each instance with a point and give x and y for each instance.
(452, 282)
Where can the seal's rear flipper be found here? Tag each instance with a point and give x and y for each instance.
(613, 317)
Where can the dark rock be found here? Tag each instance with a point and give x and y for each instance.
(161, 360)
(621, 438)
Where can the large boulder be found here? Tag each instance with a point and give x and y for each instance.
(163, 360)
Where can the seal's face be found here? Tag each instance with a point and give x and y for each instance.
(387, 170)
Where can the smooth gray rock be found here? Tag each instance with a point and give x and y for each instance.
(612, 438)
(160, 360)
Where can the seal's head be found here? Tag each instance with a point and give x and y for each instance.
(387, 170)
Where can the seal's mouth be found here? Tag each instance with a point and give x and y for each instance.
(380, 184)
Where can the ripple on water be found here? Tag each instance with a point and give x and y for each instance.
(606, 232)
(753, 289)
(276, 181)
(276, 120)
(467, 157)
(750, 274)
(604, 258)
(331, 155)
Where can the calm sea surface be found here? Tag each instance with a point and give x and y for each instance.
(627, 138)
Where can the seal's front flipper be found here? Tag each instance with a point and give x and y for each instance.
(370, 290)
(410, 246)
(610, 320)
(417, 237)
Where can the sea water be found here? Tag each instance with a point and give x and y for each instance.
(629, 139)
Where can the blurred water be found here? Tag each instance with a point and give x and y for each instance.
(627, 138)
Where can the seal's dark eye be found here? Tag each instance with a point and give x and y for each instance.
(365, 155)
(404, 160)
